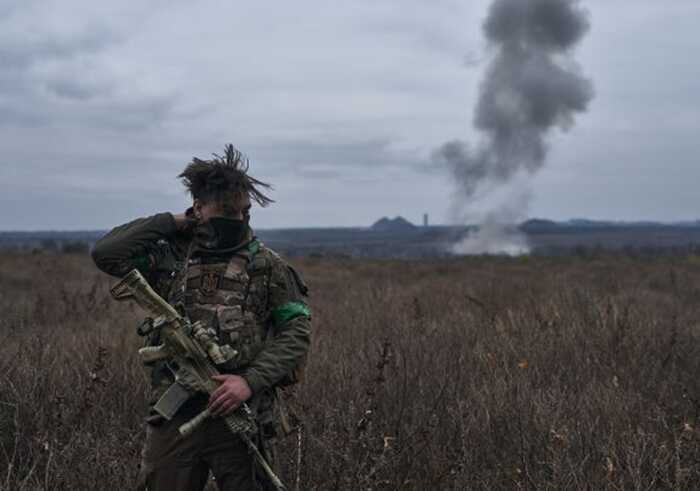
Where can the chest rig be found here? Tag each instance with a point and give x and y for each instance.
(227, 294)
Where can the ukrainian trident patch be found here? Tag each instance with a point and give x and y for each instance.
(210, 282)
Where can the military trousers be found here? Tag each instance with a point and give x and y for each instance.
(170, 462)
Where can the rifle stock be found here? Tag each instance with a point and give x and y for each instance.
(135, 287)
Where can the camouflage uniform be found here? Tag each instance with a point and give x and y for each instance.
(254, 301)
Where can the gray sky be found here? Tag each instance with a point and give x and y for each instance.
(339, 105)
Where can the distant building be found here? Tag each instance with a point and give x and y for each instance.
(425, 219)
(398, 224)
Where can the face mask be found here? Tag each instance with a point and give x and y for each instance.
(222, 233)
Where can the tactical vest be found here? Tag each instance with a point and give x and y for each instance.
(228, 294)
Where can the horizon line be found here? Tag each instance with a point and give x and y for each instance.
(417, 225)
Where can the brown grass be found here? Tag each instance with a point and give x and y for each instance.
(464, 374)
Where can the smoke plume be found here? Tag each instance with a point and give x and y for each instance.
(531, 86)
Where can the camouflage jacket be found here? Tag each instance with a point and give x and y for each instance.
(155, 247)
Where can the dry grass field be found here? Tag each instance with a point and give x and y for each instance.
(475, 373)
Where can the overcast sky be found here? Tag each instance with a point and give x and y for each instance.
(338, 104)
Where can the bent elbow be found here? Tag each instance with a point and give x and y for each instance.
(102, 259)
(97, 255)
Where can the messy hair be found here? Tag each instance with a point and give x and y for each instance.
(224, 179)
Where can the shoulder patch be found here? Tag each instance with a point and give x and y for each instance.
(272, 254)
(297, 280)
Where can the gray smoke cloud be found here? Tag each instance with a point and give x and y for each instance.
(532, 86)
(497, 232)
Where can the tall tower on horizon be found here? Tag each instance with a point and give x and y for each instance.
(425, 219)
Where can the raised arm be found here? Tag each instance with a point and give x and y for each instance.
(134, 244)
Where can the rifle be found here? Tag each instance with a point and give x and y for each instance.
(189, 349)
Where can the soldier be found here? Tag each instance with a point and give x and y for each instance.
(208, 264)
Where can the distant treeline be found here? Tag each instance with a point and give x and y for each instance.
(629, 250)
(582, 251)
(50, 246)
(639, 240)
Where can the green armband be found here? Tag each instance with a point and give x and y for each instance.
(288, 311)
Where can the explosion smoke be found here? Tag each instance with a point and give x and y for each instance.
(531, 86)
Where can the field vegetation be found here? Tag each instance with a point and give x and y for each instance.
(473, 373)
